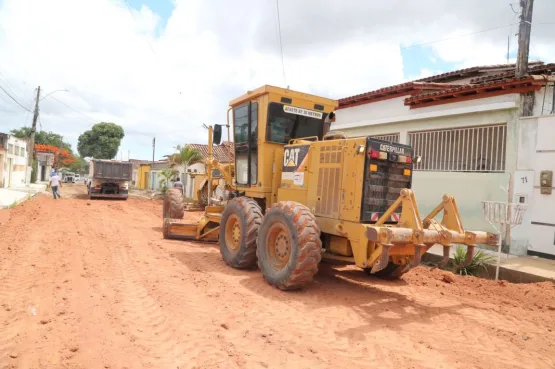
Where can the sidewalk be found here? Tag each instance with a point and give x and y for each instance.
(16, 195)
(517, 269)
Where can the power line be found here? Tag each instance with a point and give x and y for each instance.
(10, 87)
(77, 111)
(280, 43)
(14, 99)
(135, 20)
(451, 38)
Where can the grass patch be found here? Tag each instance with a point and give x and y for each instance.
(479, 262)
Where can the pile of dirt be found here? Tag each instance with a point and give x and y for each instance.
(532, 296)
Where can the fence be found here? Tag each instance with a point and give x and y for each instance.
(391, 137)
(468, 149)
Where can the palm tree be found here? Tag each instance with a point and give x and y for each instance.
(167, 174)
(185, 156)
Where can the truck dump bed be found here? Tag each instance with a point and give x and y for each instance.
(112, 170)
(109, 179)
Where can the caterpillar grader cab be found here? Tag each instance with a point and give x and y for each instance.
(301, 192)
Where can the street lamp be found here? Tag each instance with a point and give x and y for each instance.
(52, 93)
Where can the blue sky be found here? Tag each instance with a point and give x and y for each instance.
(163, 8)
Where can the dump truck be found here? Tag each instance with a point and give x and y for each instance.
(109, 179)
(301, 193)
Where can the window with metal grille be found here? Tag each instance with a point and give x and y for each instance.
(468, 149)
(391, 137)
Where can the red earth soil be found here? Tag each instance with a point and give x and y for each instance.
(92, 284)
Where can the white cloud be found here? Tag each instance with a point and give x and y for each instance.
(167, 83)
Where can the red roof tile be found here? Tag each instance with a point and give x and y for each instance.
(466, 92)
(220, 152)
(438, 82)
(509, 74)
(402, 89)
(467, 72)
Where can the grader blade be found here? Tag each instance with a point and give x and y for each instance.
(412, 237)
(176, 229)
(205, 230)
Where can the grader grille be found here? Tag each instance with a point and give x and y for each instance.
(329, 181)
(388, 169)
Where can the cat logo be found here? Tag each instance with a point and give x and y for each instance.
(291, 157)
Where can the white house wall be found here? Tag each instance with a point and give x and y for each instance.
(18, 164)
(536, 152)
(543, 101)
(189, 182)
(469, 188)
(394, 111)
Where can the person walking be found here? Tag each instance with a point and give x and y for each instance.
(54, 184)
(178, 184)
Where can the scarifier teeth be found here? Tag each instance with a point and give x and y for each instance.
(384, 259)
(417, 255)
(469, 256)
(445, 257)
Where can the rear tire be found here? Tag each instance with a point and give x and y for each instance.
(289, 246)
(174, 207)
(239, 227)
(390, 272)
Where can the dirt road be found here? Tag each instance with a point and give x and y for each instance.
(92, 284)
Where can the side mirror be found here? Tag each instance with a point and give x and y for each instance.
(418, 159)
(217, 135)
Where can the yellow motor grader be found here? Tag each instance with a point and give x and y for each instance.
(301, 193)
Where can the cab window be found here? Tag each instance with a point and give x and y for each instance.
(283, 126)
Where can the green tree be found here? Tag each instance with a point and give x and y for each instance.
(167, 174)
(79, 166)
(100, 142)
(43, 138)
(185, 156)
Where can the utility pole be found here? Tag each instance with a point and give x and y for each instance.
(524, 31)
(33, 130)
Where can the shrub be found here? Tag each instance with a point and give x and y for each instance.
(479, 261)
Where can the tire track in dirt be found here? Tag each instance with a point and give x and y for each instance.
(269, 312)
(150, 325)
(17, 284)
(91, 296)
(204, 345)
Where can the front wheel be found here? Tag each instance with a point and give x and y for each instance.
(174, 207)
(289, 246)
(239, 227)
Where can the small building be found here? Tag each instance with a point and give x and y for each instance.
(143, 177)
(223, 153)
(45, 161)
(13, 161)
(135, 176)
(471, 127)
(156, 174)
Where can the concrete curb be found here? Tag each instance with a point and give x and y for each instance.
(507, 274)
(29, 196)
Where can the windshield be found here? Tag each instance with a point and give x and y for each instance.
(283, 126)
